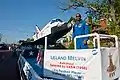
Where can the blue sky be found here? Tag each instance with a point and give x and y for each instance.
(19, 17)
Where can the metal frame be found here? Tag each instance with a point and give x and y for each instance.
(97, 36)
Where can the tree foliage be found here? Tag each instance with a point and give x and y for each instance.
(109, 9)
(1, 37)
(29, 40)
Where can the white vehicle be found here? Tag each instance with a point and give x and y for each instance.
(99, 63)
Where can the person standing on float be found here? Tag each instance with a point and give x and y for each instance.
(80, 28)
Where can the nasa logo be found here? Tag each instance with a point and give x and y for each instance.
(80, 25)
(94, 52)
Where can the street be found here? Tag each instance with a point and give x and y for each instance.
(8, 66)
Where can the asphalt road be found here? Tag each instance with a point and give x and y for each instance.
(8, 66)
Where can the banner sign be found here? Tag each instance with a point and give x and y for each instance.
(73, 64)
(27, 69)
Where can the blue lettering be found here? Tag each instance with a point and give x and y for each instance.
(73, 58)
(58, 57)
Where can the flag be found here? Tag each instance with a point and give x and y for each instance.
(37, 29)
(39, 57)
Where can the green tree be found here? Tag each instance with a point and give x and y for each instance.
(21, 41)
(0, 37)
(29, 40)
(97, 8)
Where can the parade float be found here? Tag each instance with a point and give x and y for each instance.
(53, 62)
